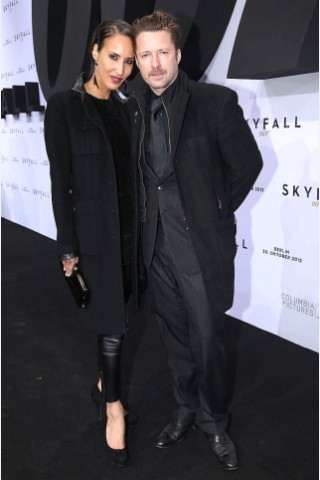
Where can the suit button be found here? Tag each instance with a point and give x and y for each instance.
(159, 187)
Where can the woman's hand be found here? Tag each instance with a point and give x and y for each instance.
(69, 265)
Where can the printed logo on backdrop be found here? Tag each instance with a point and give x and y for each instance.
(242, 243)
(17, 37)
(36, 192)
(19, 130)
(257, 188)
(267, 125)
(41, 193)
(21, 35)
(54, 41)
(7, 75)
(15, 132)
(8, 6)
(28, 161)
(14, 187)
(302, 193)
(301, 305)
(60, 58)
(282, 254)
(6, 159)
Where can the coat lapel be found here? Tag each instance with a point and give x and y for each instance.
(177, 118)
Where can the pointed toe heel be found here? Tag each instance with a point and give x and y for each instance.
(118, 456)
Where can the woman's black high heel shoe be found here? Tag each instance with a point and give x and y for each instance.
(119, 456)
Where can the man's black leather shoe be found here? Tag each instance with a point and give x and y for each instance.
(224, 449)
(173, 433)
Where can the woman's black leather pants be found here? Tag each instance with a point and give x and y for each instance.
(109, 351)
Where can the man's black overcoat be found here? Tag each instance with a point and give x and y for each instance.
(216, 162)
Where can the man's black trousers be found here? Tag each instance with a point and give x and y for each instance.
(193, 338)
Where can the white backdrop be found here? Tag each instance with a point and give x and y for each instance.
(25, 182)
(277, 281)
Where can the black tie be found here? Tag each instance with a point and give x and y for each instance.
(157, 138)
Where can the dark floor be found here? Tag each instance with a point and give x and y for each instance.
(49, 425)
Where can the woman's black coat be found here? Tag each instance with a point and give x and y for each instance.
(85, 200)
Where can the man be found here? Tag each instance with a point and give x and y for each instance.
(198, 160)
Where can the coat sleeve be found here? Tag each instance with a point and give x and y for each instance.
(239, 150)
(59, 154)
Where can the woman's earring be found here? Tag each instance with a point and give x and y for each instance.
(95, 81)
(94, 76)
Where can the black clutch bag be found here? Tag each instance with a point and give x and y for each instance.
(78, 288)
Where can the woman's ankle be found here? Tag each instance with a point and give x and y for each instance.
(115, 409)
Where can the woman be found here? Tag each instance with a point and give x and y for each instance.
(87, 140)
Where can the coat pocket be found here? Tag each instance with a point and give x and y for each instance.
(225, 239)
(86, 141)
